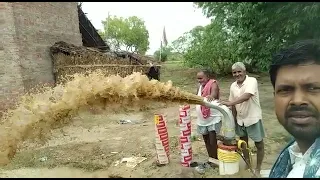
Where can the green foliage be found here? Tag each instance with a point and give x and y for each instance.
(130, 33)
(165, 53)
(247, 31)
(175, 56)
(182, 44)
(208, 46)
(168, 54)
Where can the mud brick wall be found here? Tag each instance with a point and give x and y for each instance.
(28, 29)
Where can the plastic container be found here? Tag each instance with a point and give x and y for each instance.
(185, 135)
(162, 158)
(186, 145)
(161, 124)
(186, 164)
(161, 140)
(162, 131)
(162, 148)
(184, 111)
(185, 139)
(184, 120)
(229, 160)
(186, 158)
(185, 127)
(162, 137)
(186, 152)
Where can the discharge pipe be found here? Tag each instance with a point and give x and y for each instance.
(227, 118)
(229, 134)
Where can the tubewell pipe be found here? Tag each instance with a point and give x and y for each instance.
(227, 117)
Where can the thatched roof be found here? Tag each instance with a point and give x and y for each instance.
(69, 59)
(62, 47)
(90, 36)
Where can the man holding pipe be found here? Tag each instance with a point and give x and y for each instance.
(245, 104)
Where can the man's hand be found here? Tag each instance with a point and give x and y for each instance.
(226, 103)
(210, 98)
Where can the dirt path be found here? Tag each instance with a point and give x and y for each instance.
(90, 146)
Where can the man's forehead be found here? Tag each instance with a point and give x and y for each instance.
(301, 74)
(200, 73)
(237, 70)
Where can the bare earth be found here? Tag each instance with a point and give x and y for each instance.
(91, 145)
(93, 142)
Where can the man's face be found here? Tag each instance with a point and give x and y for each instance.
(297, 100)
(239, 74)
(202, 78)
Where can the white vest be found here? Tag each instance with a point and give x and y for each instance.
(215, 115)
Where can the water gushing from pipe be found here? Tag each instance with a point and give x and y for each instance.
(227, 118)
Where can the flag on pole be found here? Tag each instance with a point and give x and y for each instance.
(160, 50)
(164, 37)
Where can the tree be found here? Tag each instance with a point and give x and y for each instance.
(165, 53)
(210, 47)
(128, 33)
(261, 28)
(181, 44)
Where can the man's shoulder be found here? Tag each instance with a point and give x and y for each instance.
(252, 79)
(233, 84)
(281, 162)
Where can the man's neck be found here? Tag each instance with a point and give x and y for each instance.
(304, 145)
(205, 83)
(241, 82)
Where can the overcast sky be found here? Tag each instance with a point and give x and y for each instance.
(177, 17)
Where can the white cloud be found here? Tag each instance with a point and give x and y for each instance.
(177, 17)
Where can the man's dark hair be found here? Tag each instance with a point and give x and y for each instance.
(298, 53)
(209, 73)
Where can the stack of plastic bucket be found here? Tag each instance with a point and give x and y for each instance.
(229, 159)
(162, 140)
(185, 135)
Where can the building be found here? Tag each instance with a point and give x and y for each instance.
(28, 29)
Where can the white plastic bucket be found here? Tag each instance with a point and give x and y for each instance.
(228, 168)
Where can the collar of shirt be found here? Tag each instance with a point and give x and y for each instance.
(296, 155)
(243, 83)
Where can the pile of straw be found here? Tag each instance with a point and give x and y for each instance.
(69, 59)
(63, 73)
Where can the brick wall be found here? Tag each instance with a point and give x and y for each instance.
(11, 82)
(28, 29)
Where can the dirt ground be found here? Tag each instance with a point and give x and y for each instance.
(91, 145)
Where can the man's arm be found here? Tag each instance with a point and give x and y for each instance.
(234, 113)
(233, 108)
(214, 92)
(241, 99)
(231, 96)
